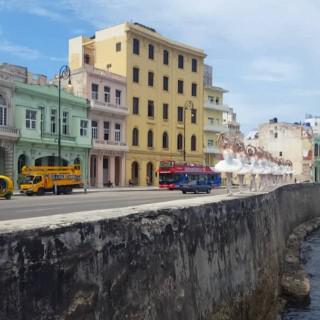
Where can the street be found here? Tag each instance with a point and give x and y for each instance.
(21, 207)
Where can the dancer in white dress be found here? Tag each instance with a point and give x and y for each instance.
(254, 169)
(229, 165)
(245, 168)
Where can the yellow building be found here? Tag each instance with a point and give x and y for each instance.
(213, 123)
(162, 77)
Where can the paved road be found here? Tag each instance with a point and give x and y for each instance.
(26, 207)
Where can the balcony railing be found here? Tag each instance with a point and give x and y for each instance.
(215, 127)
(218, 107)
(110, 145)
(55, 137)
(109, 107)
(211, 149)
(9, 132)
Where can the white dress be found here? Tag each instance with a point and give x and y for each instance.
(230, 164)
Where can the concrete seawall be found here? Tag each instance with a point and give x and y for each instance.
(205, 259)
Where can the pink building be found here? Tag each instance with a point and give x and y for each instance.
(106, 92)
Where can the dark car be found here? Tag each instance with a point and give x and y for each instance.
(196, 187)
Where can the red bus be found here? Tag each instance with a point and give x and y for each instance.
(172, 175)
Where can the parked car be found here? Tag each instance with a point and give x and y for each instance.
(196, 187)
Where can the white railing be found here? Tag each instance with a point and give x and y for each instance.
(211, 149)
(10, 131)
(215, 106)
(103, 106)
(215, 127)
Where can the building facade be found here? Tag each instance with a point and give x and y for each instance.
(289, 141)
(108, 111)
(214, 110)
(9, 134)
(162, 77)
(36, 116)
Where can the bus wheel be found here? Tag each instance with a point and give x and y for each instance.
(40, 192)
(184, 192)
(68, 190)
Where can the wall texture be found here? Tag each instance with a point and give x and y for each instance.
(215, 260)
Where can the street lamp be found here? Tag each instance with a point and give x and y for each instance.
(187, 106)
(64, 74)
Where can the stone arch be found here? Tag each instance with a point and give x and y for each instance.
(150, 138)
(135, 174)
(193, 143)
(165, 140)
(179, 141)
(149, 173)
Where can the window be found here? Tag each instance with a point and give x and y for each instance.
(165, 111)
(180, 86)
(41, 119)
(86, 59)
(94, 91)
(150, 109)
(210, 143)
(211, 99)
(194, 89)
(135, 77)
(165, 141)
(217, 100)
(150, 78)
(151, 51)
(165, 83)
(118, 97)
(179, 141)
(316, 150)
(193, 116)
(135, 137)
(280, 153)
(135, 105)
(106, 130)
(94, 129)
(107, 94)
(65, 123)
(180, 61)
(117, 132)
(136, 46)
(193, 143)
(165, 57)
(53, 121)
(118, 46)
(194, 65)
(31, 118)
(150, 139)
(276, 135)
(3, 112)
(83, 128)
(180, 114)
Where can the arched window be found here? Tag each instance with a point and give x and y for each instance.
(2, 101)
(135, 137)
(179, 141)
(150, 139)
(165, 141)
(316, 150)
(193, 143)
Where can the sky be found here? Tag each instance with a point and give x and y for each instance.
(265, 53)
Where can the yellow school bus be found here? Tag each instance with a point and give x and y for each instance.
(57, 179)
(6, 187)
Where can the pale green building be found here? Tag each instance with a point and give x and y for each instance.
(316, 161)
(36, 116)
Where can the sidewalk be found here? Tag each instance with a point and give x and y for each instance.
(112, 189)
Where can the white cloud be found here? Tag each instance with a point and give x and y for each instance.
(19, 51)
(272, 70)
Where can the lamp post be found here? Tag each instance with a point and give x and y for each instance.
(64, 74)
(187, 106)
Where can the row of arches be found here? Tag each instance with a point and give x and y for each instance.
(135, 173)
(165, 140)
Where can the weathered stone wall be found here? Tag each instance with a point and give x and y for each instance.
(197, 259)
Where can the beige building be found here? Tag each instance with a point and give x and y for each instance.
(287, 141)
(108, 111)
(162, 77)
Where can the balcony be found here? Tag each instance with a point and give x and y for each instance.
(109, 107)
(216, 107)
(212, 149)
(110, 145)
(9, 133)
(215, 127)
(55, 137)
